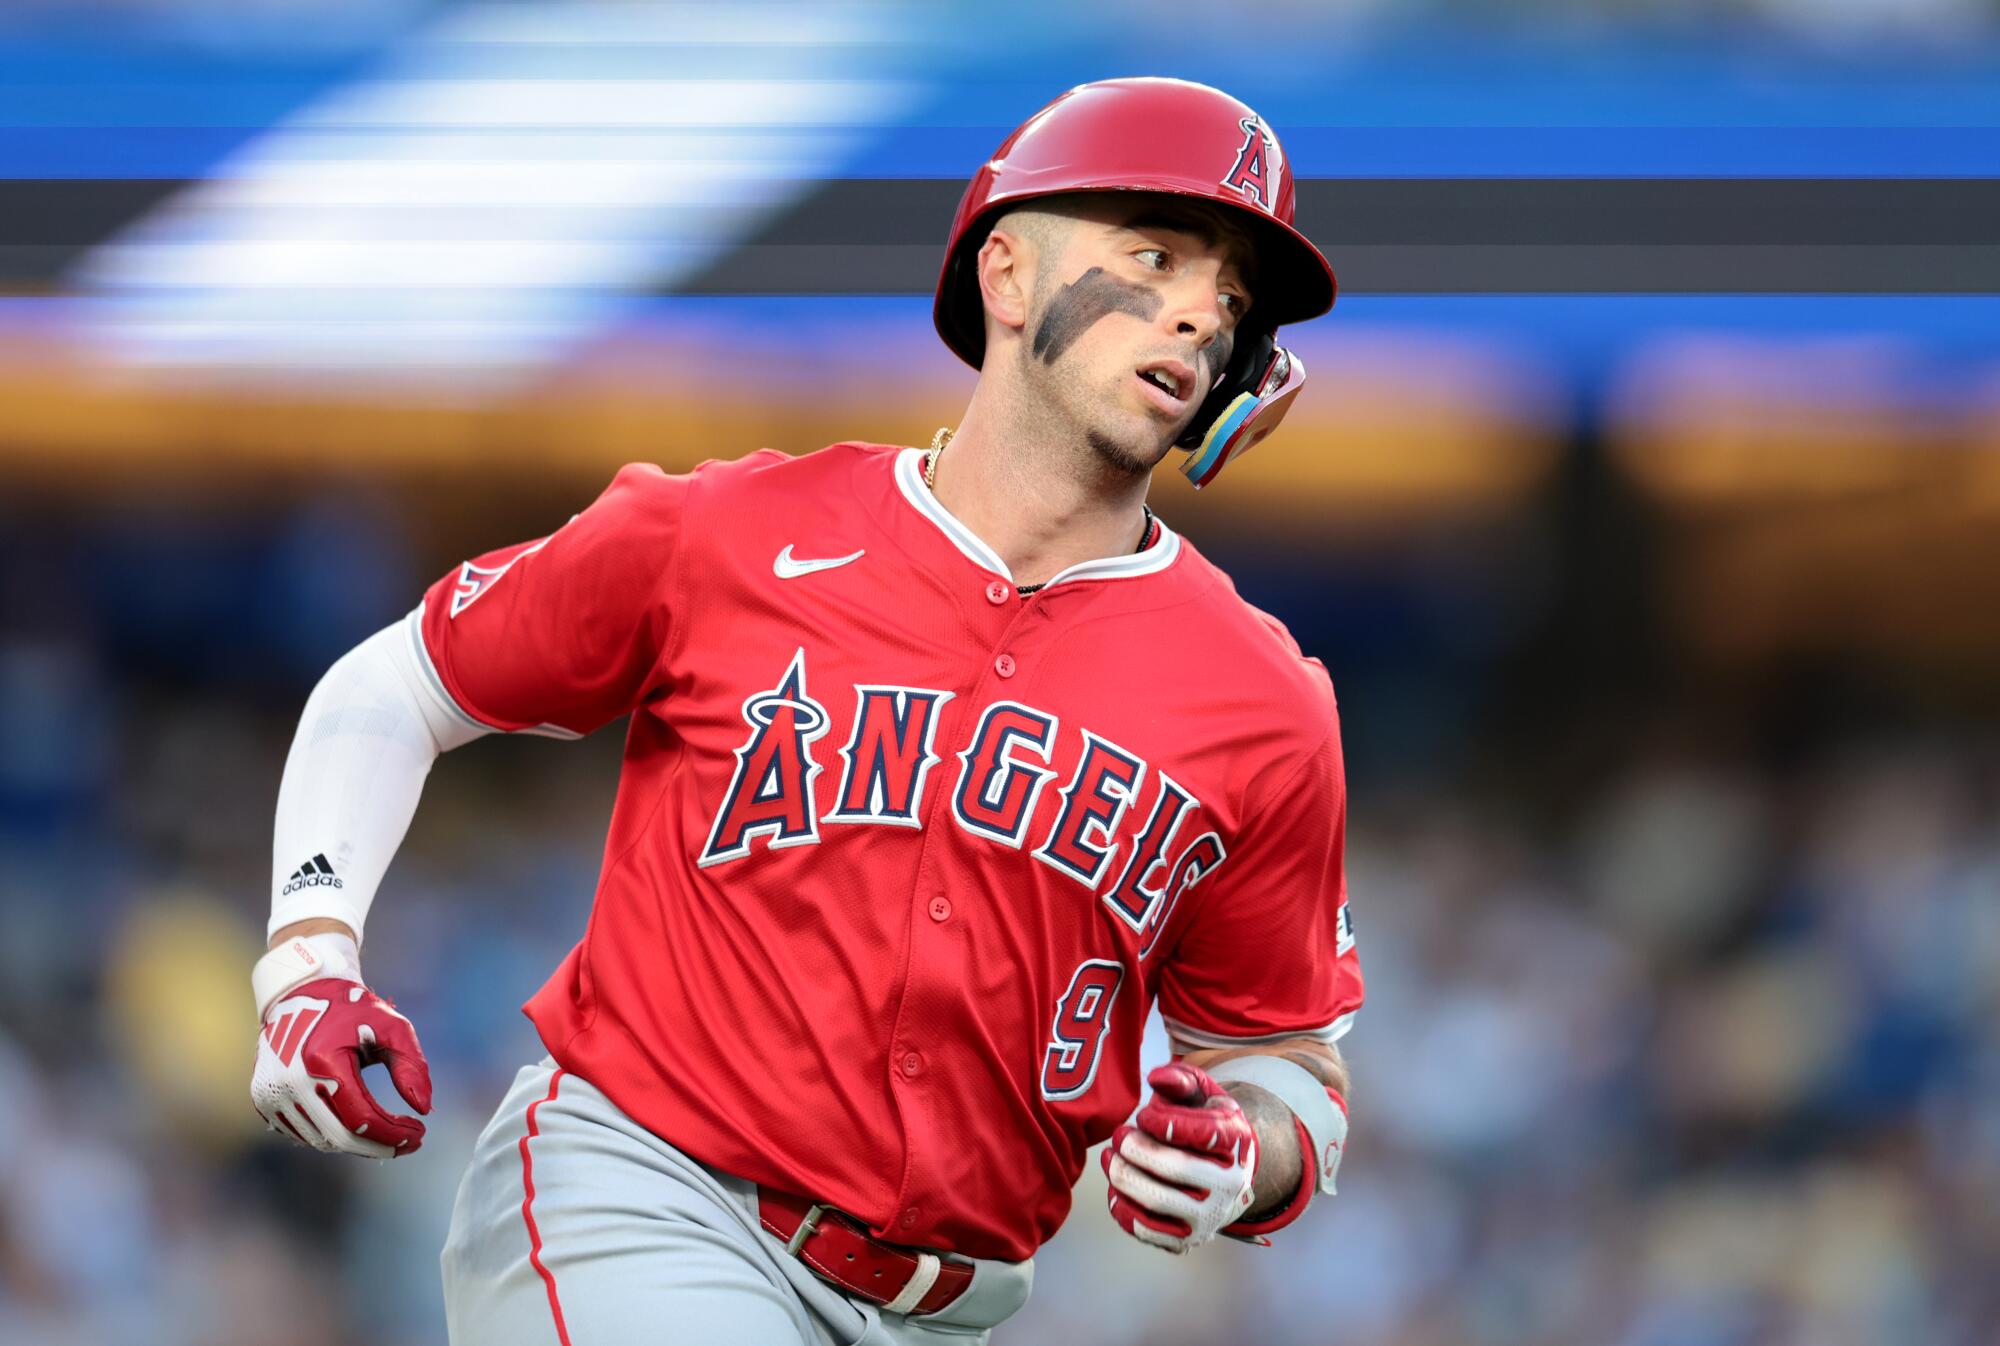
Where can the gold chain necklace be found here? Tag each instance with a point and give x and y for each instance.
(938, 441)
(936, 451)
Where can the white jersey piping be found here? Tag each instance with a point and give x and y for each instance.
(910, 479)
(1195, 1037)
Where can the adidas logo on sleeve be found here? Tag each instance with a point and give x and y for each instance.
(314, 873)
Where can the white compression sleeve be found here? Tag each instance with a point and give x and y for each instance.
(366, 740)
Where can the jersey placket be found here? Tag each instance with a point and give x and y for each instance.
(935, 958)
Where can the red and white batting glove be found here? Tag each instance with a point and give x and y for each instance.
(1183, 1173)
(317, 1037)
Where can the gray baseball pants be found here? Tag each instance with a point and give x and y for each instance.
(576, 1226)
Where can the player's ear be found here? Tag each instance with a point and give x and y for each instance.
(1006, 277)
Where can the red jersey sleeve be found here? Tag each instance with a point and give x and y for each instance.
(568, 632)
(1269, 951)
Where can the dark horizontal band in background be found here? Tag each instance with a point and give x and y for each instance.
(1434, 212)
(1480, 235)
(1388, 236)
(1457, 268)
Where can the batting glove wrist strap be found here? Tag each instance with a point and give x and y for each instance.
(1321, 1111)
(301, 959)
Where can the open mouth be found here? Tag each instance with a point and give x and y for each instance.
(1169, 382)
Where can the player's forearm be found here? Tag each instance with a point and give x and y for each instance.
(365, 744)
(312, 925)
(1280, 1166)
(1322, 1060)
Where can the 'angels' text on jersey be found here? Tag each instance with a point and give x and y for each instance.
(886, 765)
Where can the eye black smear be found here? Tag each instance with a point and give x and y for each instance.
(1079, 304)
(1217, 357)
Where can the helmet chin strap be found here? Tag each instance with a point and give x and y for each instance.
(1251, 398)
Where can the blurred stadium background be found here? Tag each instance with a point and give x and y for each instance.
(1645, 507)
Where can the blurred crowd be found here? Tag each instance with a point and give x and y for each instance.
(1704, 1053)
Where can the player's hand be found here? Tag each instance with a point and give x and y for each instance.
(316, 1039)
(1183, 1172)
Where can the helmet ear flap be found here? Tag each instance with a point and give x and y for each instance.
(1251, 398)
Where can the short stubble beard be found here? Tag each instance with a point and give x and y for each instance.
(1116, 456)
(1067, 410)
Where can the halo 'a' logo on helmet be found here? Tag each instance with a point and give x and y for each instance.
(1251, 174)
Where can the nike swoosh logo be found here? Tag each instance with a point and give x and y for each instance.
(786, 568)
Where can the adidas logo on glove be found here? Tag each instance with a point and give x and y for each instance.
(314, 873)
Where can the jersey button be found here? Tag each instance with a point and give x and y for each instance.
(998, 593)
(940, 909)
(913, 1064)
(909, 1216)
(1004, 665)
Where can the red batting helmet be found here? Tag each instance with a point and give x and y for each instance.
(1183, 139)
(1139, 135)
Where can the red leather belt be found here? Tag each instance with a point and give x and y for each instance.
(841, 1250)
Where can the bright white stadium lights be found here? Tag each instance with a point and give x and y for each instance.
(487, 198)
(701, 105)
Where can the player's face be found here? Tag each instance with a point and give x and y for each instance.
(1133, 320)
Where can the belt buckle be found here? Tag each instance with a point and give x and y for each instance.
(805, 1230)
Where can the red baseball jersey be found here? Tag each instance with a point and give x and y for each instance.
(901, 859)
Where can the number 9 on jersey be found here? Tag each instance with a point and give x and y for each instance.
(1069, 1063)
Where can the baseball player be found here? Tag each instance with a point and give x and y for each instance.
(945, 767)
